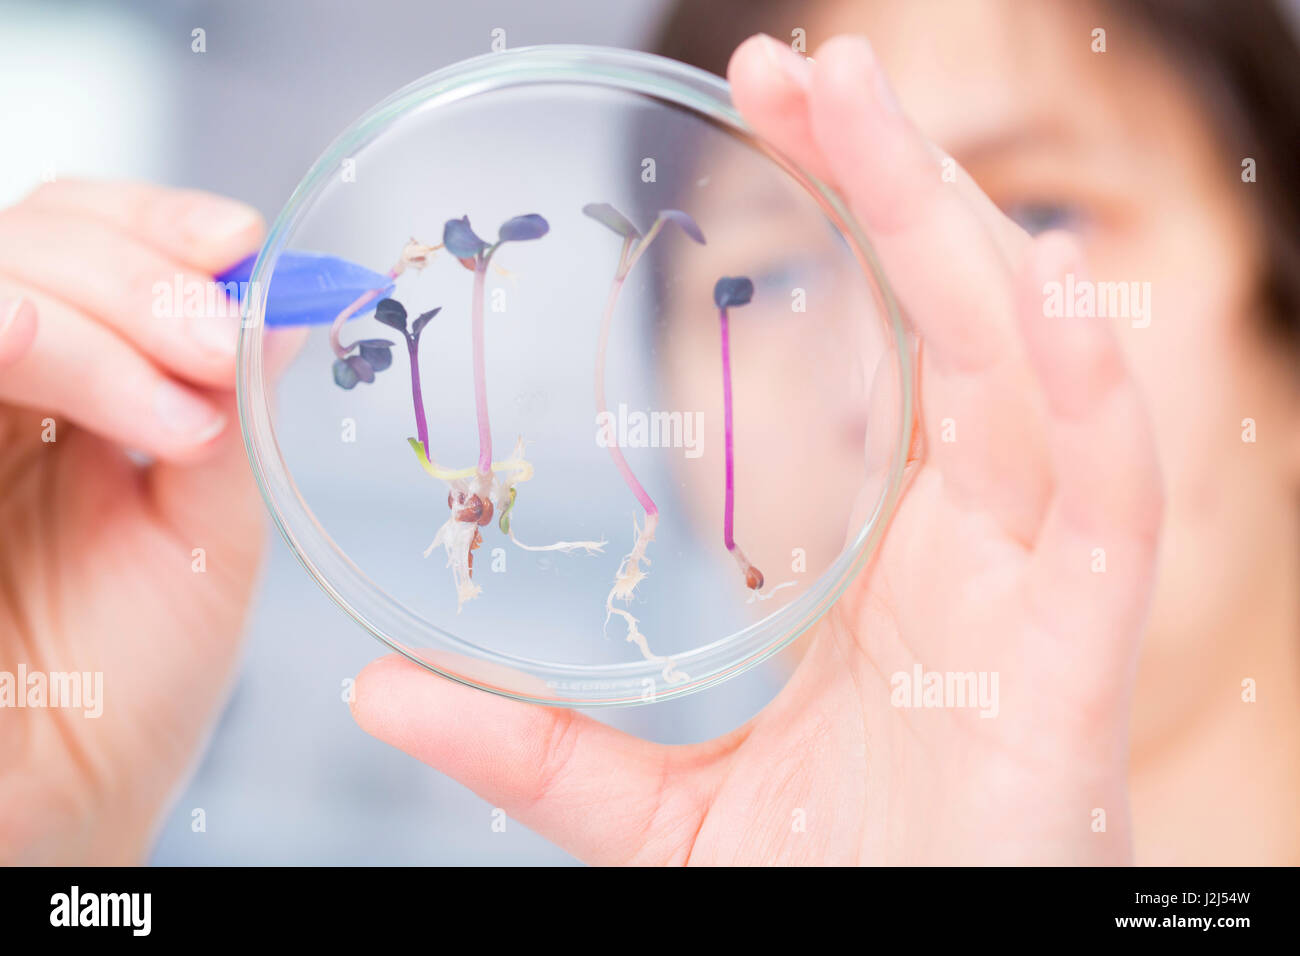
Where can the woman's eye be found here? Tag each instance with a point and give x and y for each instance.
(1036, 217)
(786, 274)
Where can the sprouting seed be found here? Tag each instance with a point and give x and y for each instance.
(476, 494)
(727, 294)
(630, 571)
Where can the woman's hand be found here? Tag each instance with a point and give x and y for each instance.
(992, 564)
(141, 574)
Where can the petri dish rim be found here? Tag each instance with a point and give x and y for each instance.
(575, 685)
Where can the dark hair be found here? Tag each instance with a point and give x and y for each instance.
(1241, 57)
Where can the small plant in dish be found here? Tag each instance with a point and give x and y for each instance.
(476, 255)
(728, 293)
(393, 314)
(476, 494)
(360, 361)
(631, 571)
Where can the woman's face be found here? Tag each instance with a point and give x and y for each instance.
(1114, 146)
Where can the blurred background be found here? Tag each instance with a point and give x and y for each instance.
(114, 89)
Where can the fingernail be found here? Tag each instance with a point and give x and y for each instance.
(9, 309)
(785, 60)
(183, 413)
(216, 333)
(885, 95)
(216, 220)
(865, 55)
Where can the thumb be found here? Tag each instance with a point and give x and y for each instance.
(604, 796)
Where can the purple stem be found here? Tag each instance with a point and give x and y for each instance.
(480, 372)
(614, 452)
(728, 520)
(421, 425)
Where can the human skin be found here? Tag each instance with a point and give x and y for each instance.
(1119, 147)
(985, 566)
(1125, 143)
(97, 567)
(1210, 777)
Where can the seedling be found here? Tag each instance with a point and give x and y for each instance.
(475, 495)
(476, 254)
(393, 314)
(488, 489)
(728, 293)
(371, 355)
(630, 571)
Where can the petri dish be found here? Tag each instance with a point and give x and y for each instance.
(584, 303)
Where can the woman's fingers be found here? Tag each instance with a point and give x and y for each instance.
(213, 503)
(1095, 554)
(202, 231)
(946, 252)
(602, 795)
(176, 316)
(939, 256)
(76, 368)
(770, 84)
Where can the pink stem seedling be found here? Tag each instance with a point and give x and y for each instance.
(631, 570)
(474, 494)
(728, 293)
(489, 488)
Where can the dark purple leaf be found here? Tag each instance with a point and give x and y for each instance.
(460, 240)
(344, 375)
(686, 223)
(377, 354)
(391, 313)
(523, 228)
(364, 370)
(425, 317)
(732, 291)
(608, 216)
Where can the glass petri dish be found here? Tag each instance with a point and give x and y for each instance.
(586, 349)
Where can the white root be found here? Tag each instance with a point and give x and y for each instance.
(591, 547)
(629, 571)
(457, 537)
(629, 576)
(671, 674)
(770, 592)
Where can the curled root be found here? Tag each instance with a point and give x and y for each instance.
(671, 674)
(629, 576)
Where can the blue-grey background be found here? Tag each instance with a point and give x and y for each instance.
(113, 90)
